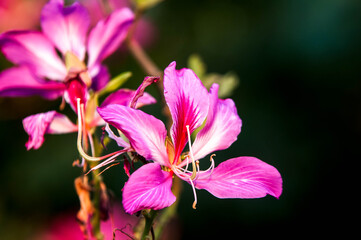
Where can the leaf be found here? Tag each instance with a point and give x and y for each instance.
(115, 83)
(196, 63)
(146, 4)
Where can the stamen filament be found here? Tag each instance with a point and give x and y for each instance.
(79, 139)
(91, 143)
(194, 174)
(194, 193)
(186, 168)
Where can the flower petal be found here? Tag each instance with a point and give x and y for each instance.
(188, 102)
(146, 133)
(124, 97)
(61, 124)
(119, 140)
(35, 50)
(222, 126)
(140, 91)
(107, 35)
(21, 82)
(100, 80)
(49, 122)
(66, 27)
(148, 187)
(242, 177)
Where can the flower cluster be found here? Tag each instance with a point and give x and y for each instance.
(65, 60)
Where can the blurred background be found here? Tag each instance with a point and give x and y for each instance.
(299, 96)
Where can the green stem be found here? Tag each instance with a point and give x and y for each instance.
(149, 219)
(171, 211)
(97, 180)
(96, 203)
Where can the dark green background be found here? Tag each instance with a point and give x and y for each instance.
(299, 98)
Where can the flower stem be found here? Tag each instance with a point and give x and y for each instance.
(171, 211)
(95, 222)
(97, 192)
(149, 219)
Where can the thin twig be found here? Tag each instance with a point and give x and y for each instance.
(121, 230)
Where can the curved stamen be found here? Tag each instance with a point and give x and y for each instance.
(186, 168)
(79, 139)
(211, 168)
(106, 162)
(91, 143)
(180, 173)
(194, 174)
(198, 171)
(185, 177)
(212, 163)
(194, 193)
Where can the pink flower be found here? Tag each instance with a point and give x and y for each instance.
(145, 32)
(191, 106)
(40, 70)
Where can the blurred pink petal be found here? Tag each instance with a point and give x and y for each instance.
(124, 97)
(100, 80)
(49, 122)
(66, 27)
(33, 49)
(222, 126)
(148, 187)
(61, 124)
(107, 35)
(188, 102)
(140, 91)
(242, 177)
(20, 82)
(145, 132)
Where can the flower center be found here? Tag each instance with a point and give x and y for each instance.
(76, 89)
(190, 176)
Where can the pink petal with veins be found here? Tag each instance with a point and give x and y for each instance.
(146, 133)
(33, 49)
(148, 187)
(66, 27)
(221, 129)
(188, 103)
(242, 177)
(107, 35)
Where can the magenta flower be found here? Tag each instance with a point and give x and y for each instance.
(191, 106)
(145, 32)
(40, 70)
